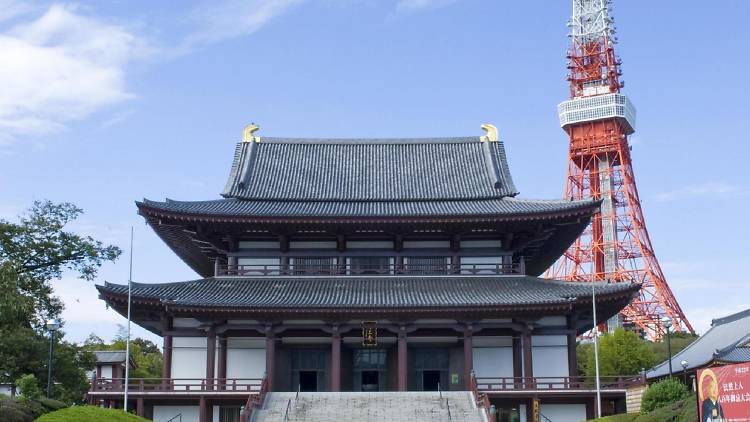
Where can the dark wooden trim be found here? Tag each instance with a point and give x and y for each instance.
(402, 361)
(222, 367)
(528, 366)
(468, 357)
(210, 356)
(336, 361)
(270, 358)
(517, 359)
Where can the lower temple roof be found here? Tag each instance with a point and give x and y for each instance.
(367, 293)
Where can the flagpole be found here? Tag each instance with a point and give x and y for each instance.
(596, 352)
(127, 344)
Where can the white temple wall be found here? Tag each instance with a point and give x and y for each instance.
(563, 412)
(189, 359)
(549, 356)
(246, 357)
(165, 413)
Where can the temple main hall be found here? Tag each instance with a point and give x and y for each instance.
(366, 266)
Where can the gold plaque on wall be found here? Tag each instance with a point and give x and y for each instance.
(369, 333)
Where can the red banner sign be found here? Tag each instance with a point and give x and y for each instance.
(724, 393)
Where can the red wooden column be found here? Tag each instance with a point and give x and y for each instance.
(468, 356)
(202, 410)
(210, 357)
(528, 367)
(166, 369)
(139, 407)
(336, 360)
(270, 354)
(402, 356)
(222, 367)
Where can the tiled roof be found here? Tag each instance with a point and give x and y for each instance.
(724, 335)
(364, 292)
(279, 169)
(736, 353)
(110, 356)
(264, 208)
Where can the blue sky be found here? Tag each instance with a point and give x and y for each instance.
(103, 104)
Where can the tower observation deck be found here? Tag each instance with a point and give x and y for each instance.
(598, 119)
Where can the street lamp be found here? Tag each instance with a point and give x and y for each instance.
(667, 322)
(52, 326)
(684, 364)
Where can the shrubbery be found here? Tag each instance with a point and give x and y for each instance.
(663, 393)
(23, 409)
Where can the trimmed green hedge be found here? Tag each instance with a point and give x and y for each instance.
(25, 410)
(90, 414)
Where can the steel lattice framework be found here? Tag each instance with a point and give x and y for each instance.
(598, 120)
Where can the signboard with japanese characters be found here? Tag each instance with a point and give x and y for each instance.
(724, 393)
(369, 333)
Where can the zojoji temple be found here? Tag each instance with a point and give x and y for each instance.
(402, 267)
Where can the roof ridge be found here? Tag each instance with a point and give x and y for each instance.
(370, 141)
(731, 318)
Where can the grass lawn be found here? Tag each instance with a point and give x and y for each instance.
(89, 414)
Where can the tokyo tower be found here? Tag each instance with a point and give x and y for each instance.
(598, 119)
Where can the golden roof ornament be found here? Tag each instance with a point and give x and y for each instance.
(490, 133)
(248, 134)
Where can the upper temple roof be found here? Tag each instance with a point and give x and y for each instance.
(364, 170)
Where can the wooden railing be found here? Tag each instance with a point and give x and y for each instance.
(494, 384)
(371, 270)
(483, 402)
(117, 385)
(254, 402)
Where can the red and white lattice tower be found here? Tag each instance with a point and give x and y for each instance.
(598, 119)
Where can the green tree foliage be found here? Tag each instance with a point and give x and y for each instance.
(620, 353)
(663, 393)
(679, 341)
(34, 251)
(146, 355)
(29, 387)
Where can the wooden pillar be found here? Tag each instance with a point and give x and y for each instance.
(468, 357)
(222, 367)
(528, 367)
(402, 360)
(166, 369)
(572, 357)
(210, 357)
(139, 407)
(202, 410)
(336, 360)
(270, 354)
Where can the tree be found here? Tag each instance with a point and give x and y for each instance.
(145, 354)
(33, 252)
(679, 341)
(620, 353)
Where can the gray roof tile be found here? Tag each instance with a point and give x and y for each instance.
(280, 169)
(486, 207)
(364, 292)
(724, 335)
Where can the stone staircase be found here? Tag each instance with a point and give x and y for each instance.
(455, 406)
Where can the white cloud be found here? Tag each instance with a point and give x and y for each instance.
(61, 67)
(414, 5)
(699, 190)
(218, 21)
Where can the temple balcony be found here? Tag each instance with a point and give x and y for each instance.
(388, 269)
(112, 387)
